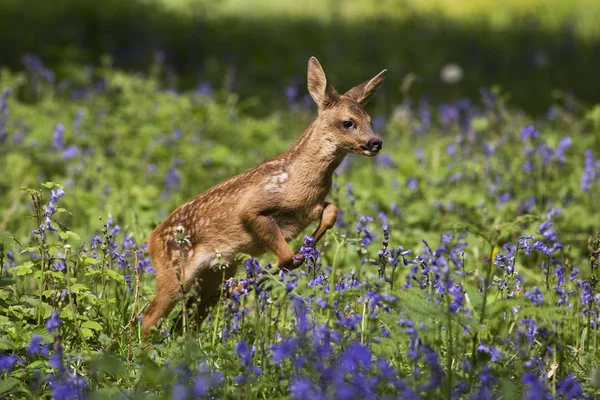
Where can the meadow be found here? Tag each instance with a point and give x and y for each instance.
(464, 263)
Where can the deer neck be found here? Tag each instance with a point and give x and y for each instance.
(314, 157)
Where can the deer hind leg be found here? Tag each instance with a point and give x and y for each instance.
(206, 291)
(170, 275)
(167, 293)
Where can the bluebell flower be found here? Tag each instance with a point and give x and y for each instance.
(378, 122)
(56, 359)
(492, 351)
(53, 322)
(419, 154)
(68, 387)
(386, 160)
(436, 372)
(284, 349)
(536, 388)
(449, 114)
(291, 93)
(35, 346)
(412, 184)
(57, 137)
(530, 331)
(70, 152)
(302, 388)
(204, 89)
(589, 175)
(529, 132)
(535, 296)
(362, 227)
(563, 145)
(7, 362)
(569, 388)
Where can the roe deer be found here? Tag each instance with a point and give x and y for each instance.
(264, 207)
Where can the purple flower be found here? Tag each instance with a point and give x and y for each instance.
(386, 160)
(53, 322)
(7, 362)
(529, 132)
(535, 296)
(35, 346)
(589, 172)
(204, 89)
(302, 388)
(57, 137)
(536, 388)
(70, 152)
(362, 227)
(412, 184)
(291, 93)
(563, 145)
(569, 388)
(492, 351)
(284, 349)
(56, 359)
(69, 387)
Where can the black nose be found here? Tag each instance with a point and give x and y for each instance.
(374, 144)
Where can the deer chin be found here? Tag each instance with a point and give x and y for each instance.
(366, 152)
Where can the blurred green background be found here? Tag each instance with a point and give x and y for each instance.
(531, 49)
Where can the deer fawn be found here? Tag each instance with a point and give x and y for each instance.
(264, 207)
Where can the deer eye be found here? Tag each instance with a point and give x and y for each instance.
(347, 124)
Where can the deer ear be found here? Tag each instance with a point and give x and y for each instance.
(363, 92)
(322, 92)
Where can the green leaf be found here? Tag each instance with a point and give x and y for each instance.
(7, 384)
(90, 260)
(8, 241)
(6, 343)
(114, 275)
(87, 332)
(51, 185)
(93, 325)
(68, 234)
(24, 269)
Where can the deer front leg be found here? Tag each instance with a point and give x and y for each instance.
(328, 218)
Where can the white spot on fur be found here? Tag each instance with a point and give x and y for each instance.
(274, 182)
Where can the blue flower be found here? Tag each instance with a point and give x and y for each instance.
(569, 388)
(589, 175)
(412, 184)
(536, 388)
(302, 388)
(529, 132)
(57, 137)
(35, 346)
(535, 296)
(284, 349)
(7, 362)
(53, 322)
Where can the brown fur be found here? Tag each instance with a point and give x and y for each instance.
(264, 207)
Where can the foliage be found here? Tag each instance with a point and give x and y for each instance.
(530, 48)
(464, 262)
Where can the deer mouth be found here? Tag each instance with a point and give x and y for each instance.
(364, 150)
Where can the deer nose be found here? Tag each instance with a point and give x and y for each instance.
(374, 144)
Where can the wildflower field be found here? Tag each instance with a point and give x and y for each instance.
(463, 264)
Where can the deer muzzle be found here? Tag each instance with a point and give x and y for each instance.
(372, 147)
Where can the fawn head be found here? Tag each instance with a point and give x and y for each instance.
(342, 119)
